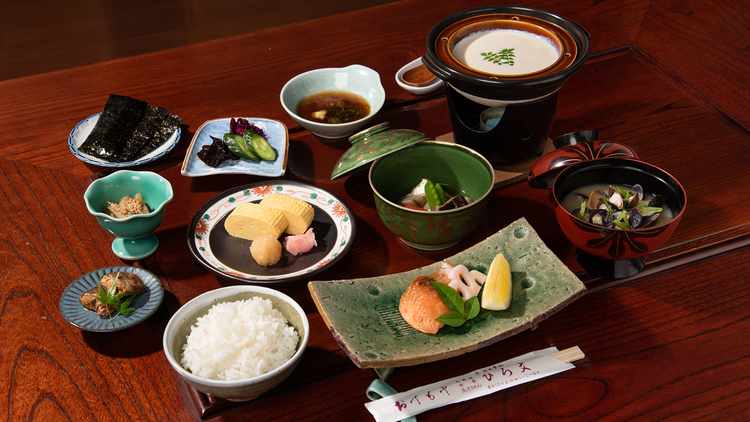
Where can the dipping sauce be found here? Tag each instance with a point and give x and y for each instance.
(506, 52)
(333, 107)
(418, 76)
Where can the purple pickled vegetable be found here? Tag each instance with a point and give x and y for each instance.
(258, 130)
(238, 127)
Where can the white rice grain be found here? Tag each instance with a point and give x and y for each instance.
(239, 340)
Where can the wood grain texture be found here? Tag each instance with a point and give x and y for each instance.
(44, 36)
(669, 343)
(676, 34)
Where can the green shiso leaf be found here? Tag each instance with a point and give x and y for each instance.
(452, 318)
(459, 311)
(450, 297)
(471, 308)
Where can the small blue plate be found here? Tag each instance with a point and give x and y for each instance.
(144, 304)
(276, 134)
(82, 130)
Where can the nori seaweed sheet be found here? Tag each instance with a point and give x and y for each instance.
(128, 129)
(120, 116)
(168, 126)
(143, 133)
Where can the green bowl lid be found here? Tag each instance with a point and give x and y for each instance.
(373, 143)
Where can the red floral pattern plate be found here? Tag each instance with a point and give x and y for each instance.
(229, 257)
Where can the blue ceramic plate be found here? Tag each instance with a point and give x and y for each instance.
(144, 304)
(229, 257)
(79, 134)
(276, 134)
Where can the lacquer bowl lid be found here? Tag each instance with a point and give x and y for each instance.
(546, 169)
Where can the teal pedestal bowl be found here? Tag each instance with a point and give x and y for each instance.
(134, 238)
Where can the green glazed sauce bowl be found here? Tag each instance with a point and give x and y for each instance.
(460, 170)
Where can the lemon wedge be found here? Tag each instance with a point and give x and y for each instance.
(497, 289)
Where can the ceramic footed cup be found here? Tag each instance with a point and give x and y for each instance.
(134, 238)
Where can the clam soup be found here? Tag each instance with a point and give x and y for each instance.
(572, 201)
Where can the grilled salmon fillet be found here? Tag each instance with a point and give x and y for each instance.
(441, 274)
(420, 305)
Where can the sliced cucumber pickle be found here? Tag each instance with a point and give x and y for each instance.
(240, 147)
(259, 144)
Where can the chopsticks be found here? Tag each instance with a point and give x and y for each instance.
(389, 407)
(568, 355)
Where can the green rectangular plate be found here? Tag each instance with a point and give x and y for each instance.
(363, 317)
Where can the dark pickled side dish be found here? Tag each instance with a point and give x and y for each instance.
(216, 153)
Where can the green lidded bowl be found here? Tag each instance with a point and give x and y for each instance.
(457, 168)
(134, 234)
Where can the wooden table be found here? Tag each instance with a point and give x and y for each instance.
(667, 78)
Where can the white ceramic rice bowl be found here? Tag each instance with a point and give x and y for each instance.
(358, 79)
(178, 328)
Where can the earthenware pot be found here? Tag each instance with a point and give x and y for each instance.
(570, 39)
(506, 111)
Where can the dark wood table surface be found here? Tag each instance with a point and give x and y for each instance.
(667, 78)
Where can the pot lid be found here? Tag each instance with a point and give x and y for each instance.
(546, 169)
(373, 143)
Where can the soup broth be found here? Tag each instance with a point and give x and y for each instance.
(572, 201)
(506, 52)
(333, 107)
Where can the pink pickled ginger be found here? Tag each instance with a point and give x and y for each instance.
(300, 243)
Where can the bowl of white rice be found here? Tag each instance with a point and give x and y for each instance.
(236, 342)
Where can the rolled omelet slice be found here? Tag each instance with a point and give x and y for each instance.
(248, 221)
(298, 212)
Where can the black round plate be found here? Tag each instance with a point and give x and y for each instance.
(229, 256)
